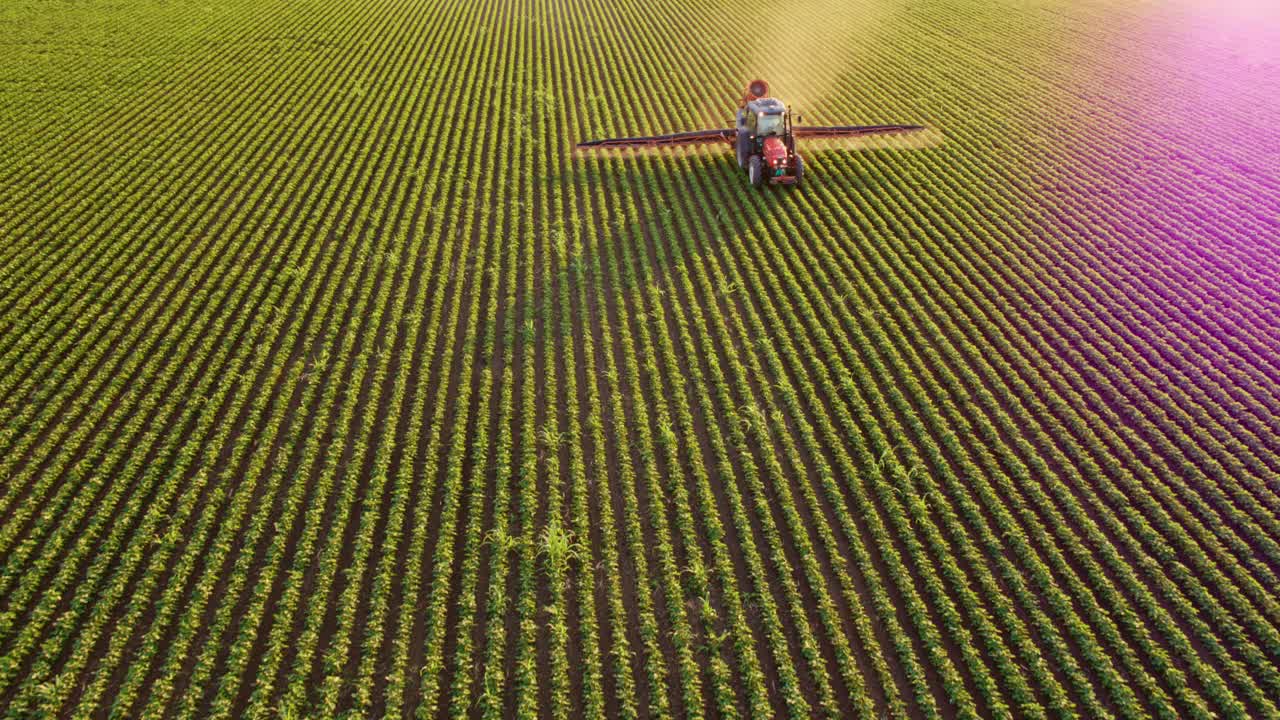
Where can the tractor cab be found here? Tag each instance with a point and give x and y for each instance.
(763, 117)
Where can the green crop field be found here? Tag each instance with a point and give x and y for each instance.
(334, 382)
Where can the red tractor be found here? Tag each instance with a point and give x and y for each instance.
(764, 140)
(763, 137)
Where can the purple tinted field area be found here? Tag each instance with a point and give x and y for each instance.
(334, 383)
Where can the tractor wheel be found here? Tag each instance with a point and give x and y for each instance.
(744, 149)
(799, 172)
(755, 171)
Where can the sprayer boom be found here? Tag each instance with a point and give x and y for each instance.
(763, 137)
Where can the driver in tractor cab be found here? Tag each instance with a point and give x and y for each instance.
(768, 123)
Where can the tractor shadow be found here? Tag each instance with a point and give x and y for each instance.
(628, 234)
(681, 206)
(621, 230)
(625, 227)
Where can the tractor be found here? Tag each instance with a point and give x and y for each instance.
(765, 143)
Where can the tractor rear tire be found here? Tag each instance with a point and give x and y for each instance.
(755, 171)
(743, 144)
